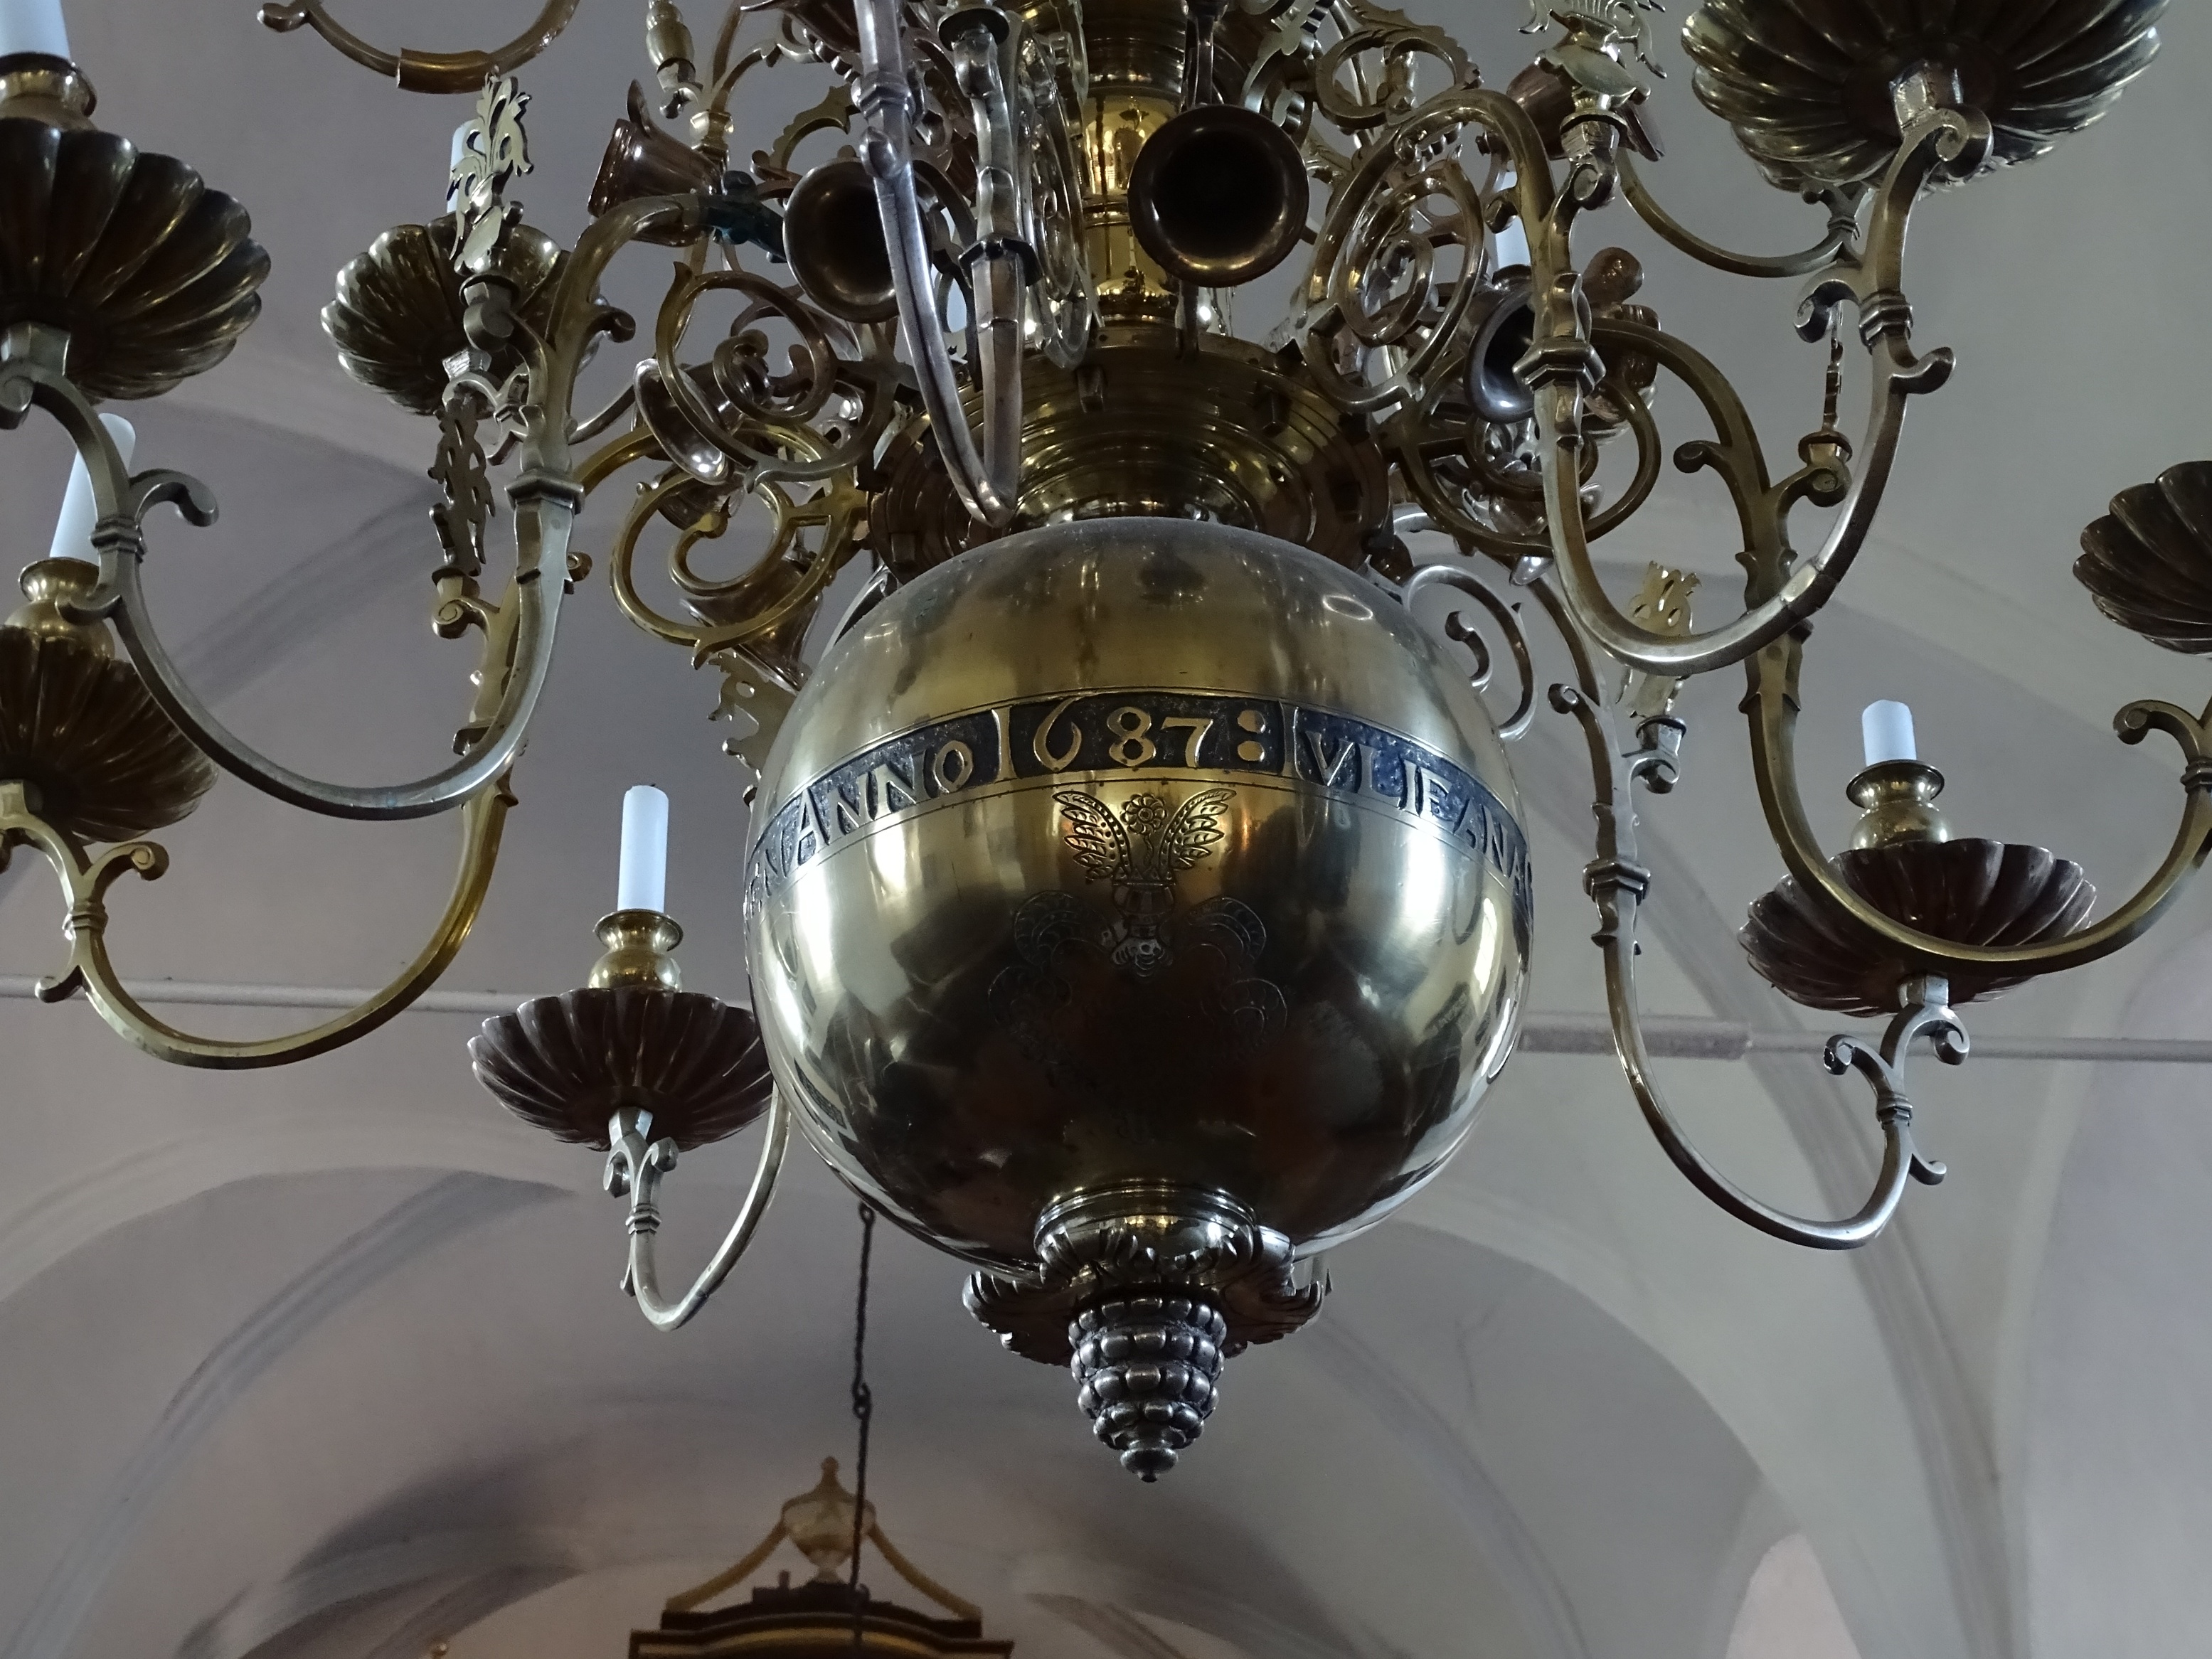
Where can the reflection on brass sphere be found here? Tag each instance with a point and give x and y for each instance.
(1141, 868)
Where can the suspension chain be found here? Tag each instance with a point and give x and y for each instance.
(864, 1411)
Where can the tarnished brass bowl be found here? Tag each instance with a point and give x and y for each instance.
(1138, 901)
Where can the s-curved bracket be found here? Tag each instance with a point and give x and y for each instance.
(85, 881)
(1617, 882)
(636, 1161)
(423, 71)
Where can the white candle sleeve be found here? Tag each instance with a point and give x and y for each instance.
(452, 165)
(1887, 729)
(644, 883)
(1512, 245)
(33, 26)
(79, 513)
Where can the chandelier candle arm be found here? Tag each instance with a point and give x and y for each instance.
(1617, 882)
(987, 487)
(1771, 711)
(634, 1168)
(546, 498)
(1843, 229)
(1563, 369)
(85, 881)
(34, 26)
(644, 876)
(79, 513)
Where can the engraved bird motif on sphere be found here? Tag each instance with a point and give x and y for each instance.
(1142, 852)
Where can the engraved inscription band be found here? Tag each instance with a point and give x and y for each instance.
(1138, 731)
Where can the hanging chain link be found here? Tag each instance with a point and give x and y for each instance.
(864, 1411)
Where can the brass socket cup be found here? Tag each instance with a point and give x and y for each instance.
(46, 585)
(1218, 195)
(1897, 799)
(639, 945)
(833, 235)
(1504, 316)
(642, 161)
(34, 86)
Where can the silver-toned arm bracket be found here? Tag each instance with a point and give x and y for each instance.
(636, 1164)
(999, 265)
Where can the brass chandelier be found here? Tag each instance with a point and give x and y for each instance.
(1137, 898)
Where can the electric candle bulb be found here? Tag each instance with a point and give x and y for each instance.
(79, 513)
(644, 881)
(1887, 730)
(33, 26)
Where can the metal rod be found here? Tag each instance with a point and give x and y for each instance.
(1666, 1036)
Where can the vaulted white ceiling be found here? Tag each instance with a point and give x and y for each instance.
(331, 1361)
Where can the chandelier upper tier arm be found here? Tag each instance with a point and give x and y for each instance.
(1558, 366)
(1843, 226)
(424, 71)
(988, 481)
(546, 498)
(1772, 708)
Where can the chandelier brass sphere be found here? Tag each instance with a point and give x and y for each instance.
(1137, 898)
(1131, 893)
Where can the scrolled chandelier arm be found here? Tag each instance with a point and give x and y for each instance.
(988, 480)
(636, 1165)
(424, 71)
(1563, 368)
(1771, 711)
(1618, 884)
(85, 880)
(1843, 205)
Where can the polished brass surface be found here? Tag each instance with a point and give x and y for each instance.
(1974, 891)
(834, 239)
(397, 318)
(642, 160)
(48, 90)
(1897, 800)
(1145, 429)
(151, 275)
(2148, 564)
(1218, 195)
(640, 945)
(1044, 898)
(100, 760)
(1820, 104)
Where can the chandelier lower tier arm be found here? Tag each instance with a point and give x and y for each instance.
(1617, 882)
(1842, 230)
(1772, 708)
(1563, 369)
(85, 881)
(635, 1169)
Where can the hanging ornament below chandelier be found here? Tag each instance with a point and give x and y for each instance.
(815, 1618)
